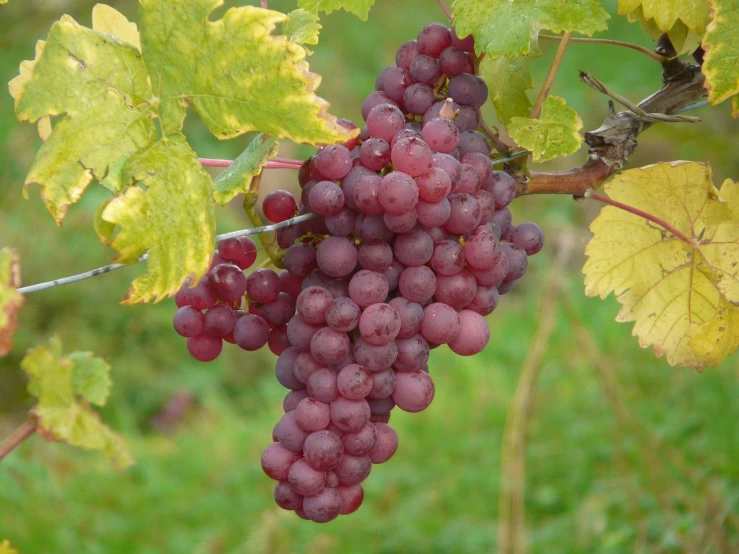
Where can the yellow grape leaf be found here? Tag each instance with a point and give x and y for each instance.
(10, 299)
(61, 410)
(109, 20)
(676, 280)
(554, 134)
(237, 178)
(360, 8)
(5, 546)
(236, 75)
(77, 72)
(694, 14)
(508, 79)
(683, 39)
(173, 219)
(721, 43)
(302, 27)
(91, 377)
(507, 28)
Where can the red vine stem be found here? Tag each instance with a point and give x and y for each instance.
(636, 47)
(640, 213)
(275, 163)
(16, 438)
(446, 10)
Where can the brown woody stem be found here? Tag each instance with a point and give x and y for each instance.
(546, 87)
(636, 47)
(16, 438)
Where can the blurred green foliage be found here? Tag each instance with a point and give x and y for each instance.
(643, 460)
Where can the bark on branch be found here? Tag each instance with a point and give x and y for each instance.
(612, 144)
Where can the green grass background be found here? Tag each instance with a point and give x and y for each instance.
(625, 454)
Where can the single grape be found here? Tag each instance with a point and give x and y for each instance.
(448, 164)
(374, 99)
(322, 385)
(394, 81)
(482, 251)
(383, 384)
(285, 237)
(286, 498)
(312, 304)
(300, 333)
(502, 187)
(189, 322)
(292, 399)
(382, 406)
(530, 237)
(352, 470)
(406, 53)
(464, 89)
(448, 258)
(342, 224)
(289, 433)
(334, 162)
(277, 341)
(342, 314)
(441, 134)
(414, 391)
(485, 300)
(263, 286)
(453, 60)
(386, 444)
(375, 257)
(379, 324)
(279, 205)
(374, 154)
(204, 347)
(366, 194)
(434, 185)
(306, 480)
(336, 256)
(469, 180)
(487, 209)
(397, 192)
(326, 198)
(367, 288)
(473, 335)
(372, 228)
(312, 415)
(324, 506)
(456, 290)
(468, 118)
(329, 346)
(220, 320)
(350, 181)
(251, 332)
(351, 497)
(411, 156)
(473, 141)
(276, 461)
(354, 382)
(465, 214)
(360, 442)
(323, 450)
(413, 353)
(375, 358)
(392, 274)
(299, 259)
(433, 39)
(305, 365)
(482, 164)
(417, 284)
(201, 296)
(440, 323)
(317, 278)
(240, 251)
(401, 223)
(424, 69)
(505, 287)
(413, 248)
(418, 98)
(384, 120)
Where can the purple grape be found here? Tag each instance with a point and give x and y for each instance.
(456, 290)
(375, 257)
(384, 120)
(411, 316)
(530, 237)
(312, 415)
(374, 99)
(277, 341)
(334, 162)
(228, 282)
(417, 284)
(323, 450)
(354, 382)
(465, 214)
(286, 237)
(418, 98)
(465, 43)
(284, 369)
(485, 300)
(336, 256)
(386, 444)
(433, 215)
(263, 286)
(312, 304)
(473, 335)
(449, 165)
(324, 506)
(368, 287)
(351, 496)
(414, 391)
(289, 433)
(494, 276)
(464, 89)
(413, 248)
(240, 251)
(251, 332)
(350, 415)
(189, 322)
(220, 320)
(394, 81)
(375, 358)
(441, 134)
(292, 398)
(276, 461)
(329, 346)
(322, 385)
(383, 384)
(482, 164)
(326, 198)
(306, 480)
(374, 154)
(300, 333)
(392, 274)
(379, 324)
(406, 53)
(518, 262)
(468, 118)
(352, 470)
(434, 185)
(469, 180)
(366, 195)
(360, 442)
(473, 141)
(482, 251)
(305, 365)
(398, 192)
(440, 323)
(487, 207)
(453, 60)
(482, 93)
(503, 188)
(505, 287)
(279, 205)
(425, 69)
(286, 498)
(433, 39)
(342, 314)
(413, 353)
(204, 347)
(299, 259)
(350, 182)
(401, 223)
(448, 258)
(317, 278)
(341, 224)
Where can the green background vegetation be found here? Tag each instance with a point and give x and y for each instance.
(625, 454)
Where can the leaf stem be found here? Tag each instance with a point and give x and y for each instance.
(556, 62)
(446, 10)
(636, 47)
(632, 210)
(111, 267)
(16, 438)
(275, 163)
(500, 145)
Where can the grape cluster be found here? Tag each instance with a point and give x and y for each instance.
(411, 246)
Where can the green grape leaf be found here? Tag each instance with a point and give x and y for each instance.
(694, 14)
(360, 8)
(236, 75)
(508, 79)
(506, 28)
(302, 27)
(173, 219)
(91, 377)
(10, 299)
(61, 414)
(721, 43)
(555, 133)
(77, 72)
(108, 20)
(237, 178)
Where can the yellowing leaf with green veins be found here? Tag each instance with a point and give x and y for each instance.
(694, 14)
(5, 546)
(721, 43)
(101, 86)
(234, 72)
(302, 27)
(109, 20)
(676, 281)
(506, 28)
(64, 415)
(360, 8)
(684, 38)
(555, 133)
(508, 79)
(91, 377)
(237, 178)
(173, 219)
(10, 299)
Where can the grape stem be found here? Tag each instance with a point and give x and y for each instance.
(549, 80)
(17, 437)
(271, 247)
(636, 47)
(275, 163)
(111, 267)
(500, 145)
(637, 212)
(446, 10)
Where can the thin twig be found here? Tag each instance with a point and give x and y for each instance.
(512, 157)
(275, 163)
(500, 145)
(271, 247)
(637, 212)
(556, 62)
(16, 438)
(636, 47)
(111, 267)
(446, 10)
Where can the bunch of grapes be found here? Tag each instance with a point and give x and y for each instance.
(411, 247)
